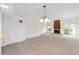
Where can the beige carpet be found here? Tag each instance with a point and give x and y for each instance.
(44, 45)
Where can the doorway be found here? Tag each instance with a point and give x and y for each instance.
(57, 26)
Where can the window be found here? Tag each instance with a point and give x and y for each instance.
(69, 30)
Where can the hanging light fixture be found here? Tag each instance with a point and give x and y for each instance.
(44, 19)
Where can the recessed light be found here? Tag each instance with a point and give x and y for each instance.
(4, 6)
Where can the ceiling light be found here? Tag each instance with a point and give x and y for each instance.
(4, 6)
(44, 19)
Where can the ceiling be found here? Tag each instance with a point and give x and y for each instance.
(53, 10)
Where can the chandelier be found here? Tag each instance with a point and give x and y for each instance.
(44, 19)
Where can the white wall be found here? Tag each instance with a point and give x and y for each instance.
(0, 31)
(14, 31)
(8, 29)
(33, 26)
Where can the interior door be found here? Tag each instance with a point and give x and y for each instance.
(56, 26)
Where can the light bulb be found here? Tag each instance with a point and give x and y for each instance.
(48, 20)
(41, 20)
